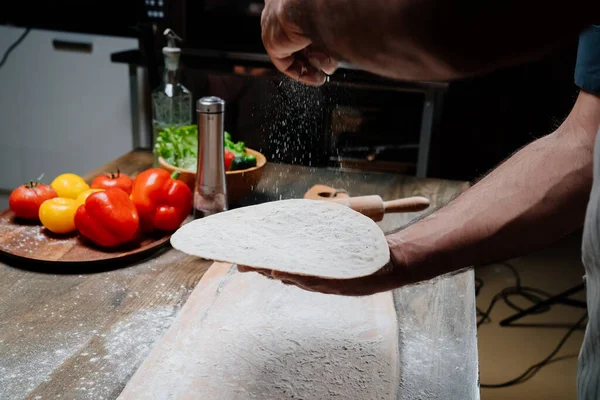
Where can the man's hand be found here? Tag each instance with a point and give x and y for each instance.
(290, 50)
(387, 278)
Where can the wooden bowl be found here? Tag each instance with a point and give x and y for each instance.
(239, 183)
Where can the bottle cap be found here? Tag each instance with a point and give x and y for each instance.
(210, 105)
(171, 51)
(171, 41)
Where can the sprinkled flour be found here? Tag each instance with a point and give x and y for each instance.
(252, 338)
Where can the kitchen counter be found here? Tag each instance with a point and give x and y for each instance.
(82, 334)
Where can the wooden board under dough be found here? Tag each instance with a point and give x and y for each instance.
(242, 336)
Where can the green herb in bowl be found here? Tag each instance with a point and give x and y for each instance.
(178, 146)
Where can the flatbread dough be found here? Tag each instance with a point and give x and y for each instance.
(299, 236)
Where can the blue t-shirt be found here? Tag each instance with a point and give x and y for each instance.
(587, 77)
(587, 68)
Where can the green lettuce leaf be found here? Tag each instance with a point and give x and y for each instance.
(179, 146)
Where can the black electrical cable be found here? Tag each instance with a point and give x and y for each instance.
(534, 369)
(535, 296)
(13, 46)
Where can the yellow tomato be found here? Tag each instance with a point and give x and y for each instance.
(69, 185)
(84, 195)
(58, 215)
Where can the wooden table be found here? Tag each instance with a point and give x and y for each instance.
(82, 334)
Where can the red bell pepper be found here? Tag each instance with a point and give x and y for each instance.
(162, 201)
(108, 218)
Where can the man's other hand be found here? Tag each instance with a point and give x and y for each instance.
(291, 51)
(387, 278)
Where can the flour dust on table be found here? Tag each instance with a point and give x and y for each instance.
(298, 236)
(242, 337)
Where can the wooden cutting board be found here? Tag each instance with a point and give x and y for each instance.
(31, 243)
(242, 336)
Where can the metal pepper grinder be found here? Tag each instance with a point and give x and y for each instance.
(210, 196)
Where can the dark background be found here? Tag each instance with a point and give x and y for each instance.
(488, 118)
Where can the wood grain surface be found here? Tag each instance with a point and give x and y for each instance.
(83, 335)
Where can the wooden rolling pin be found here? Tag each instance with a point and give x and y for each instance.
(375, 208)
(372, 206)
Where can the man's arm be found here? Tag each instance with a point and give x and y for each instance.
(430, 39)
(534, 198)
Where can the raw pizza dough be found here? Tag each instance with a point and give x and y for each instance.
(299, 236)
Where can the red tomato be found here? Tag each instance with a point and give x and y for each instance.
(112, 180)
(229, 156)
(25, 201)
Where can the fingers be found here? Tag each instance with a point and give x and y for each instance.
(267, 273)
(262, 271)
(285, 65)
(306, 73)
(306, 281)
(322, 61)
(311, 67)
(281, 42)
(289, 49)
(299, 69)
(346, 287)
(381, 281)
(286, 279)
(243, 268)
